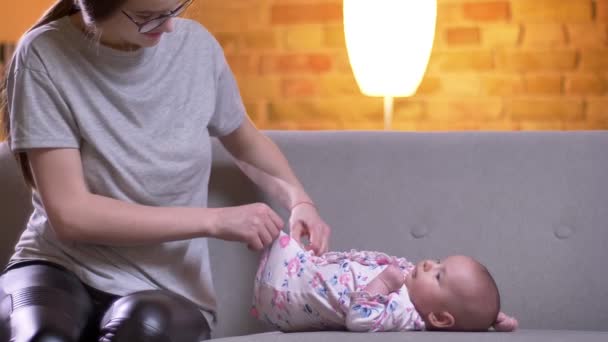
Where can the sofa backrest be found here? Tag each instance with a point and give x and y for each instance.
(15, 203)
(531, 206)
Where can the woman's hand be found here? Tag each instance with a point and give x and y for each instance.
(305, 221)
(256, 225)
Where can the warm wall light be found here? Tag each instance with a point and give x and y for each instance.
(389, 43)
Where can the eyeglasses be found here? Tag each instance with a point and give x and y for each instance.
(152, 24)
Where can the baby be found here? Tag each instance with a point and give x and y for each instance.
(295, 290)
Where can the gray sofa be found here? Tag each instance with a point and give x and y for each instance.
(532, 206)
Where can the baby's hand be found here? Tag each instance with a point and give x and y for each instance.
(389, 280)
(505, 323)
(393, 275)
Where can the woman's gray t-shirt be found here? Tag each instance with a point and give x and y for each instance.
(142, 122)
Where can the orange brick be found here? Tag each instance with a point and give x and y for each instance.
(535, 35)
(377, 125)
(463, 36)
(254, 88)
(230, 42)
(265, 39)
(597, 109)
(541, 125)
(338, 85)
(498, 125)
(556, 11)
(501, 35)
(304, 37)
(341, 63)
(466, 125)
(408, 109)
(300, 13)
(544, 109)
(601, 10)
(296, 63)
(594, 60)
(429, 85)
(501, 84)
(303, 124)
(449, 12)
(231, 19)
(585, 125)
(535, 84)
(444, 126)
(536, 60)
(257, 111)
(487, 11)
(243, 63)
(299, 87)
(403, 125)
(589, 35)
(464, 60)
(437, 125)
(586, 84)
(294, 110)
(359, 108)
(333, 36)
(233, 4)
(461, 84)
(464, 108)
(440, 40)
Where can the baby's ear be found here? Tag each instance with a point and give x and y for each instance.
(441, 320)
(505, 323)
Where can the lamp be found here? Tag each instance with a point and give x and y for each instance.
(389, 43)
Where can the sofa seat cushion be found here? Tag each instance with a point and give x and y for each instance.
(525, 335)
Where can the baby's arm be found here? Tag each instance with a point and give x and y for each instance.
(389, 280)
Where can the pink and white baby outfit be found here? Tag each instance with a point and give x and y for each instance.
(295, 290)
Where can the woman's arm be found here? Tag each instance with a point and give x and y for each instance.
(262, 161)
(77, 214)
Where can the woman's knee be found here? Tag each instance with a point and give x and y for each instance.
(156, 316)
(43, 304)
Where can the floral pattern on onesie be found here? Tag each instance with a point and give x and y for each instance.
(295, 290)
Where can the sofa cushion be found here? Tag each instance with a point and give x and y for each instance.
(532, 206)
(529, 205)
(15, 203)
(519, 336)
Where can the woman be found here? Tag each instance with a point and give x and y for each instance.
(111, 106)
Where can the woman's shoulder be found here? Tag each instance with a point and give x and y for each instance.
(43, 40)
(192, 29)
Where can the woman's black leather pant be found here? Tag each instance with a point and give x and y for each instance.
(43, 302)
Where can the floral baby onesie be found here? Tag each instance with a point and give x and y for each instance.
(295, 290)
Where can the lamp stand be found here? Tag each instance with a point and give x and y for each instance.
(388, 112)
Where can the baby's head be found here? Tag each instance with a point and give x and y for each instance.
(456, 293)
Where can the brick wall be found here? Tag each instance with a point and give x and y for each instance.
(496, 65)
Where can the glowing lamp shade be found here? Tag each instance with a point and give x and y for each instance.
(389, 43)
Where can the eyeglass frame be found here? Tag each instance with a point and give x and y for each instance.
(161, 19)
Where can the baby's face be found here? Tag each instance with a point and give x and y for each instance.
(433, 285)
